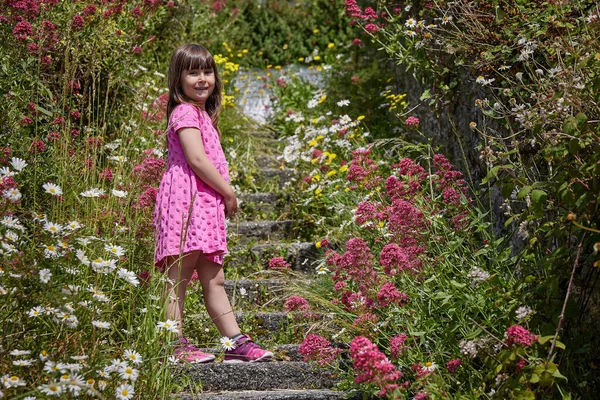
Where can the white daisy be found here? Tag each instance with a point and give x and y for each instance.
(410, 23)
(73, 225)
(52, 389)
(227, 343)
(114, 249)
(45, 275)
(430, 366)
(130, 373)
(124, 391)
(36, 312)
(23, 363)
(129, 276)
(5, 171)
(10, 235)
(18, 163)
(52, 227)
(53, 189)
(12, 381)
(168, 325)
(343, 103)
(13, 195)
(101, 324)
(17, 352)
(133, 356)
(119, 193)
(93, 192)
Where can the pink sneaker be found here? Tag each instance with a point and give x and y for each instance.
(187, 352)
(246, 351)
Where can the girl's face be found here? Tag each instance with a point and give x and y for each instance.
(198, 84)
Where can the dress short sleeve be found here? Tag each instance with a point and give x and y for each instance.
(184, 116)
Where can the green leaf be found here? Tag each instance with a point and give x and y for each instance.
(539, 196)
(544, 339)
(560, 345)
(534, 378)
(557, 374)
(456, 284)
(525, 190)
(416, 333)
(426, 95)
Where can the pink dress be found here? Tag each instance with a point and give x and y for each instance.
(190, 215)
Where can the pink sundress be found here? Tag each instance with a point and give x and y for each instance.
(190, 215)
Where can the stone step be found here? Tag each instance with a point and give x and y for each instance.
(281, 394)
(284, 176)
(253, 205)
(262, 323)
(268, 162)
(282, 352)
(255, 291)
(302, 256)
(263, 230)
(258, 376)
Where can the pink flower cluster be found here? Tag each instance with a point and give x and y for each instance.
(278, 263)
(412, 121)
(388, 294)
(355, 265)
(372, 366)
(517, 335)
(296, 303)
(150, 170)
(453, 365)
(396, 259)
(317, 348)
(397, 345)
(362, 170)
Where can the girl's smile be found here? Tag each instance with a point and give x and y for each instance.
(198, 84)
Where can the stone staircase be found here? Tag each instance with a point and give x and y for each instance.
(257, 241)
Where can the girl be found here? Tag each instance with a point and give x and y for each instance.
(193, 199)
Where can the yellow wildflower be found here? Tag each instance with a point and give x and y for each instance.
(331, 45)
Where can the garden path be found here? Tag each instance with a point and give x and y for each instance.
(286, 376)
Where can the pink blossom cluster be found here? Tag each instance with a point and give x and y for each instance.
(395, 259)
(296, 303)
(388, 294)
(147, 199)
(355, 265)
(406, 221)
(278, 263)
(372, 366)
(362, 170)
(517, 335)
(453, 365)
(365, 323)
(150, 170)
(365, 212)
(317, 348)
(397, 345)
(412, 121)
(355, 302)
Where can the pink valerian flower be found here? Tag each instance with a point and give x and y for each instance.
(408, 167)
(397, 345)
(395, 259)
(355, 79)
(77, 23)
(370, 28)
(356, 173)
(406, 221)
(356, 302)
(412, 121)
(161, 102)
(451, 196)
(278, 263)
(147, 199)
(37, 146)
(355, 265)
(357, 42)
(25, 121)
(137, 12)
(136, 50)
(317, 348)
(369, 13)
(517, 335)
(352, 9)
(365, 212)
(150, 170)
(372, 366)
(398, 190)
(421, 396)
(453, 365)
(22, 30)
(316, 153)
(388, 294)
(296, 303)
(53, 136)
(89, 10)
(106, 174)
(94, 141)
(57, 121)
(520, 365)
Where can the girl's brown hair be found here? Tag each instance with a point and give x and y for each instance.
(193, 56)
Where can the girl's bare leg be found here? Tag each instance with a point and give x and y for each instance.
(179, 272)
(212, 279)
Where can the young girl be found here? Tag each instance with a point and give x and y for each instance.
(193, 199)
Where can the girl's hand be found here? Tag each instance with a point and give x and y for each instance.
(231, 206)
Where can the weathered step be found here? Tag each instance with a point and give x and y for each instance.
(258, 376)
(255, 291)
(284, 394)
(302, 256)
(263, 230)
(255, 204)
(263, 323)
(282, 352)
(268, 162)
(283, 175)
